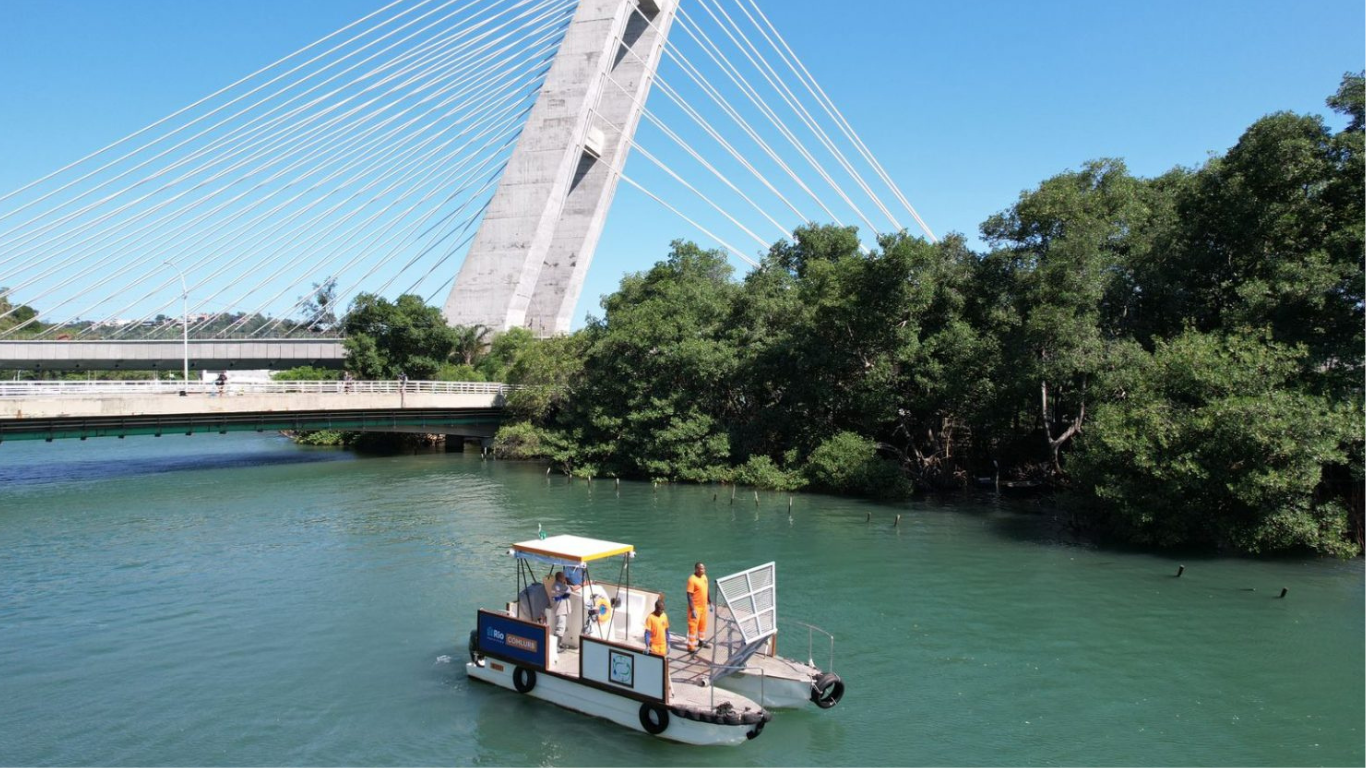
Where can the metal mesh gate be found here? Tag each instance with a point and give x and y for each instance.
(753, 600)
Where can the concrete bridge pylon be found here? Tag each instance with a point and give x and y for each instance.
(527, 263)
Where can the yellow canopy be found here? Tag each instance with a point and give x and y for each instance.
(569, 550)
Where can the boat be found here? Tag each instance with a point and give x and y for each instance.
(721, 694)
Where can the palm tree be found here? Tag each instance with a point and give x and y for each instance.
(469, 342)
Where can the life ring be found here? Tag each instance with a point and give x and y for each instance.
(524, 679)
(653, 718)
(827, 690)
(602, 610)
(475, 657)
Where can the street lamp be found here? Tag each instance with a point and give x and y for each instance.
(184, 326)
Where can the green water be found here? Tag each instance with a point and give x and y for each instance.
(237, 600)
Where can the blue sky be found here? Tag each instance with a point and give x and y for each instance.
(966, 104)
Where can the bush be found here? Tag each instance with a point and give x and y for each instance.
(763, 472)
(323, 437)
(306, 373)
(848, 463)
(458, 372)
(523, 441)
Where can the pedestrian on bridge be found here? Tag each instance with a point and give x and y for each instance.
(222, 382)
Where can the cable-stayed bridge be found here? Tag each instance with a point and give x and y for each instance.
(466, 151)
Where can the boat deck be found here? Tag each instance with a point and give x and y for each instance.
(691, 673)
(723, 643)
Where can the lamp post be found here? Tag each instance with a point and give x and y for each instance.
(184, 327)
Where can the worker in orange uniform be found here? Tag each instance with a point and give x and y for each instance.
(657, 630)
(699, 596)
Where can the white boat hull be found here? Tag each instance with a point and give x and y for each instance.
(771, 692)
(622, 710)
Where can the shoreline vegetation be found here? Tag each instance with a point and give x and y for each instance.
(1178, 359)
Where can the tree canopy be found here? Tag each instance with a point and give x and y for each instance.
(1181, 355)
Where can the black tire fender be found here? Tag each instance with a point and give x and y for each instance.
(523, 679)
(653, 718)
(475, 657)
(827, 690)
(756, 730)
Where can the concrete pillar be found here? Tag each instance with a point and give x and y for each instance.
(526, 265)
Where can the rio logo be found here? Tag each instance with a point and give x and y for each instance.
(496, 636)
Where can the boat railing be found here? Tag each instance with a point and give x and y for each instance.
(721, 670)
(811, 631)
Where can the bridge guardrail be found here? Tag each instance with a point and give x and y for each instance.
(31, 389)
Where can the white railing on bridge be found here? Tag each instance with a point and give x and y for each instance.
(31, 389)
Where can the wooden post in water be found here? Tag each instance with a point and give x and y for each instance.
(1284, 590)
(897, 524)
(1180, 569)
(756, 498)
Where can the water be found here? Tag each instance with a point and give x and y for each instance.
(238, 600)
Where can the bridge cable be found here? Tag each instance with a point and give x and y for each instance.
(485, 101)
(217, 125)
(788, 97)
(141, 242)
(292, 127)
(185, 109)
(743, 84)
(824, 100)
(170, 279)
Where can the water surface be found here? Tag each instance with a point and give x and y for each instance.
(238, 600)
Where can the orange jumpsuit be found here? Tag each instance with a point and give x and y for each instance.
(697, 614)
(658, 627)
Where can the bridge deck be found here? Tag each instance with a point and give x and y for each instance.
(51, 410)
(169, 355)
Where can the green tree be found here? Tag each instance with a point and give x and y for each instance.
(545, 375)
(1057, 263)
(657, 371)
(1271, 236)
(1210, 443)
(506, 348)
(21, 316)
(837, 321)
(385, 339)
(469, 343)
(320, 311)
